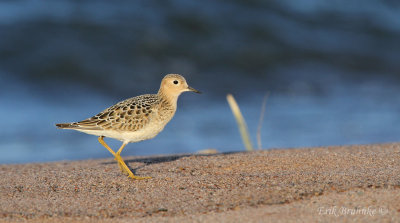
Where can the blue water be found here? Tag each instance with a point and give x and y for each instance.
(350, 114)
(331, 70)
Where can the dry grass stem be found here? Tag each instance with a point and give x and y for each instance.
(261, 120)
(240, 121)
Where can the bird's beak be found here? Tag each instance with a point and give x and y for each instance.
(194, 90)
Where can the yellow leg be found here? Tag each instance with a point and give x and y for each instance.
(120, 160)
(116, 155)
(122, 165)
(121, 148)
(105, 145)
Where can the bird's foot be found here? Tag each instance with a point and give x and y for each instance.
(125, 169)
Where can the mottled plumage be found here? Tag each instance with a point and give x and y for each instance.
(128, 115)
(135, 119)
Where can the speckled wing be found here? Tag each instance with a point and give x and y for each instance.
(129, 115)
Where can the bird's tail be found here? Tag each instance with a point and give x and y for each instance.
(66, 125)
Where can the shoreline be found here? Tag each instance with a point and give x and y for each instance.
(346, 183)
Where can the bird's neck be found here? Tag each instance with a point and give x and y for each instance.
(168, 99)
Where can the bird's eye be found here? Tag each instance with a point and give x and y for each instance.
(176, 82)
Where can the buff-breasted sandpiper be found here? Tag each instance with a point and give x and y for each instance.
(135, 119)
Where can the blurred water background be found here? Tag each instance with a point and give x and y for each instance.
(331, 67)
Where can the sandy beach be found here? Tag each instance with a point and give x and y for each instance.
(327, 184)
